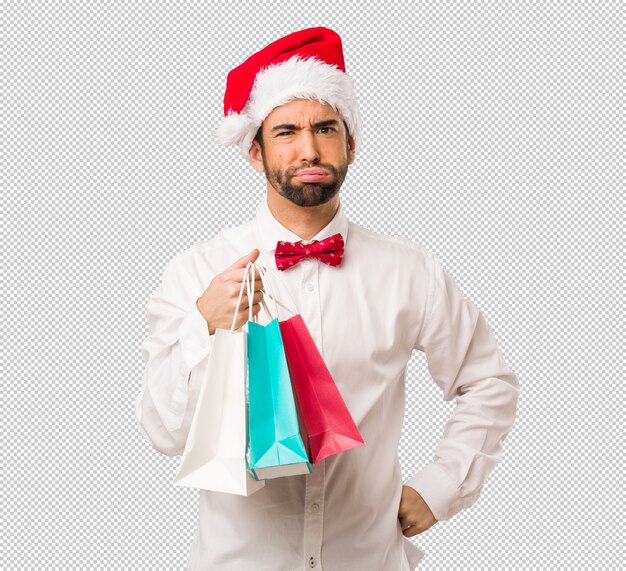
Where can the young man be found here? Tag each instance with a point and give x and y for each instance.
(368, 300)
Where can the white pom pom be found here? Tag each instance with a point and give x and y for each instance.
(233, 129)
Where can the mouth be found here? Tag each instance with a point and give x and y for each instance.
(311, 175)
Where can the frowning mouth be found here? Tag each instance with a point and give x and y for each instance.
(311, 175)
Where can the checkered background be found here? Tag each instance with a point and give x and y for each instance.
(491, 135)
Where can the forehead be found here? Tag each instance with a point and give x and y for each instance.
(301, 111)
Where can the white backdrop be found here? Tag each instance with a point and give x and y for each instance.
(490, 136)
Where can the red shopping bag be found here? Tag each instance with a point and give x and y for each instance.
(326, 425)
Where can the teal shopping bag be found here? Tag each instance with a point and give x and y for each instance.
(276, 447)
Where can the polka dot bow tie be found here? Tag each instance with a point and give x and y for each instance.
(329, 250)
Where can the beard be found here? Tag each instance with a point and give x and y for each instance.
(306, 194)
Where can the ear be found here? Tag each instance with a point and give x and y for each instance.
(256, 156)
(351, 148)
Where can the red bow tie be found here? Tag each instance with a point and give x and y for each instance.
(329, 250)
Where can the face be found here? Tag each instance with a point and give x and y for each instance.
(304, 135)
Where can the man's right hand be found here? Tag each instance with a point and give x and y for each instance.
(217, 303)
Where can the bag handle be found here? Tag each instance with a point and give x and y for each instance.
(272, 314)
(268, 288)
(243, 283)
(247, 282)
(250, 288)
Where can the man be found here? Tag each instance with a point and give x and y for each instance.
(368, 300)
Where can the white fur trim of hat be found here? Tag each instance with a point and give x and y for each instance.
(277, 84)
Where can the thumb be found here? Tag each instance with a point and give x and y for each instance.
(243, 261)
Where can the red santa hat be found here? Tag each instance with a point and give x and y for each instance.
(307, 64)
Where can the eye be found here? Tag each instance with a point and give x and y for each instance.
(331, 129)
(284, 133)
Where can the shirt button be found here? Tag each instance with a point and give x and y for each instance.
(309, 287)
(315, 508)
(312, 562)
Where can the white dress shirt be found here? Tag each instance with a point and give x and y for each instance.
(388, 297)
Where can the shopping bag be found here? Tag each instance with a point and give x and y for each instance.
(327, 426)
(275, 447)
(215, 455)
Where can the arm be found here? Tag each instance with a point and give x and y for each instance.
(175, 355)
(465, 362)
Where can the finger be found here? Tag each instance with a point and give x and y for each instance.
(257, 297)
(243, 261)
(243, 314)
(256, 300)
(410, 532)
(242, 318)
(237, 275)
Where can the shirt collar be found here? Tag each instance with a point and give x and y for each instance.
(272, 231)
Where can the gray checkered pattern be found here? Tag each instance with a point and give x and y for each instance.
(491, 136)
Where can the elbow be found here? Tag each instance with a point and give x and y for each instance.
(169, 443)
(161, 440)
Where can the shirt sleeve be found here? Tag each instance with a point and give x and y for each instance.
(466, 363)
(174, 354)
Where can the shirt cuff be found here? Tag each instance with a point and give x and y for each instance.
(438, 491)
(195, 345)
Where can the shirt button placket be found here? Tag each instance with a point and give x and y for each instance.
(314, 516)
(314, 495)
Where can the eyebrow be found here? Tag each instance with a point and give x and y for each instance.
(292, 127)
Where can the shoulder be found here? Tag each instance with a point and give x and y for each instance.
(223, 239)
(213, 253)
(392, 247)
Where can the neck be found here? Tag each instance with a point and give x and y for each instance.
(305, 222)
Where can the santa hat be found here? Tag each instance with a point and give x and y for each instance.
(307, 64)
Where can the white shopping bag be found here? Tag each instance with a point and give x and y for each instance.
(215, 451)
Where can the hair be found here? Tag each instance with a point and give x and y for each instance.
(259, 134)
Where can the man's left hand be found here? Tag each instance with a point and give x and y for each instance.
(414, 514)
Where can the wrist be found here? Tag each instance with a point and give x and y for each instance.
(208, 325)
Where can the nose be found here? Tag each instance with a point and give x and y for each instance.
(309, 149)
